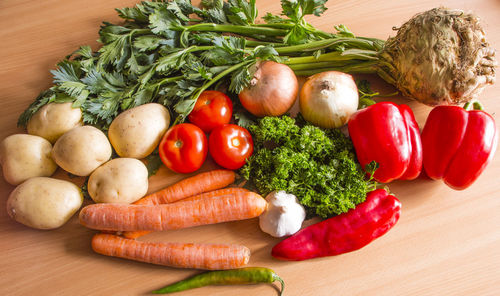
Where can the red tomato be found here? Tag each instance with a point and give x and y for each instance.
(212, 109)
(183, 148)
(230, 146)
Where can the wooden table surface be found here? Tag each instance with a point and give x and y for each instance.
(446, 242)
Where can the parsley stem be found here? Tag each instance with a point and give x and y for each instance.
(212, 81)
(169, 79)
(290, 26)
(221, 75)
(326, 64)
(254, 43)
(326, 43)
(367, 67)
(242, 30)
(334, 56)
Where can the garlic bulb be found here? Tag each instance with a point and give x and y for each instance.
(284, 214)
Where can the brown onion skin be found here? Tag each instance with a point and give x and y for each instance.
(272, 90)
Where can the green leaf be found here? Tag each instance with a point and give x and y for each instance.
(153, 162)
(239, 80)
(133, 13)
(80, 99)
(343, 31)
(148, 42)
(297, 35)
(73, 88)
(85, 51)
(186, 106)
(143, 96)
(61, 97)
(177, 11)
(212, 4)
(212, 12)
(66, 71)
(297, 9)
(103, 109)
(41, 100)
(110, 33)
(173, 61)
(163, 22)
(316, 7)
(241, 12)
(242, 117)
(116, 53)
(265, 52)
(274, 19)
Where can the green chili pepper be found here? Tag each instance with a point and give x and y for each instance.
(249, 275)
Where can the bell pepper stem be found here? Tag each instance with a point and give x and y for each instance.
(475, 105)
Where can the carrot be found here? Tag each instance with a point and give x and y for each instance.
(123, 217)
(202, 256)
(219, 192)
(215, 193)
(197, 184)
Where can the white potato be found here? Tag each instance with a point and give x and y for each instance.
(121, 180)
(53, 120)
(25, 156)
(81, 150)
(44, 203)
(136, 132)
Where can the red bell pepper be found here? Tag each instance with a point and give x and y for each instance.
(458, 144)
(387, 134)
(343, 233)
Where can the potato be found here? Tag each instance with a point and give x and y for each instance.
(53, 120)
(25, 156)
(44, 203)
(136, 132)
(121, 180)
(81, 150)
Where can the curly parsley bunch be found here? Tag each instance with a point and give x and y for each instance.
(318, 166)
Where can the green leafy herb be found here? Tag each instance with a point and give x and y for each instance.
(153, 163)
(366, 94)
(161, 53)
(318, 166)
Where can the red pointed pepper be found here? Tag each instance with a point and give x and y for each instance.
(387, 134)
(343, 233)
(458, 144)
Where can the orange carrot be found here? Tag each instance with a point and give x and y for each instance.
(197, 184)
(202, 256)
(219, 192)
(123, 217)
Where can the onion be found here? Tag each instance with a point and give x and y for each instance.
(328, 99)
(272, 90)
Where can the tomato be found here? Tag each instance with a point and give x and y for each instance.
(230, 146)
(212, 109)
(183, 148)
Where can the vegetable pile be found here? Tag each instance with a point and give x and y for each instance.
(161, 54)
(170, 59)
(318, 166)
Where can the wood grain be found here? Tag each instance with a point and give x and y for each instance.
(446, 243)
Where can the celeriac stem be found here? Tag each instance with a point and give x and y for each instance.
(365, 67)
(242, 30)
(169, 79)
(353, 43)
(309, 66)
